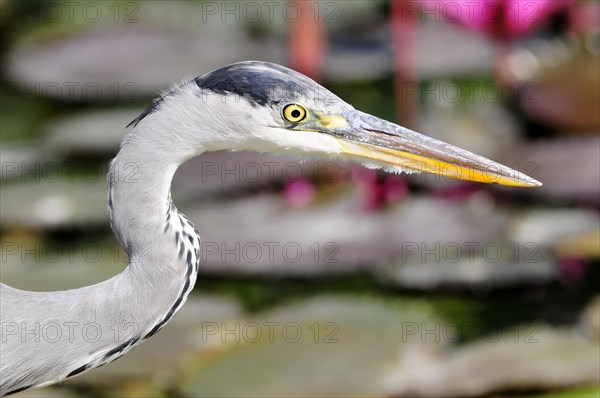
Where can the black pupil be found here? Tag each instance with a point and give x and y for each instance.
(295, 113)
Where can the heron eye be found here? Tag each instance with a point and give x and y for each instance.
(294, 113)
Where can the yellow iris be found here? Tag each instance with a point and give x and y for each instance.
(294, 113)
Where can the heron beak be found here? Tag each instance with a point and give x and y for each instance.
(366, 137)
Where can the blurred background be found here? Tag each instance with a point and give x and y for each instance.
(323, 278)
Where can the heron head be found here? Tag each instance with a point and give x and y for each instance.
(265, 107)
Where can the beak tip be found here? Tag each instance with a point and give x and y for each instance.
(531, 182)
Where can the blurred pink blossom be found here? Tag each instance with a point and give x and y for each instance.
(395, 188)
(571, 270)
(497, 18)
(376, 192)
(299, 193)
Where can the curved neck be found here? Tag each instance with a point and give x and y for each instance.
(163, 248)
(162, 244)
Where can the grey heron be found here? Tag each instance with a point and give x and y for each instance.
(252, 106)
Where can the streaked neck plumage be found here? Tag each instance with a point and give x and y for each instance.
(163, 248)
